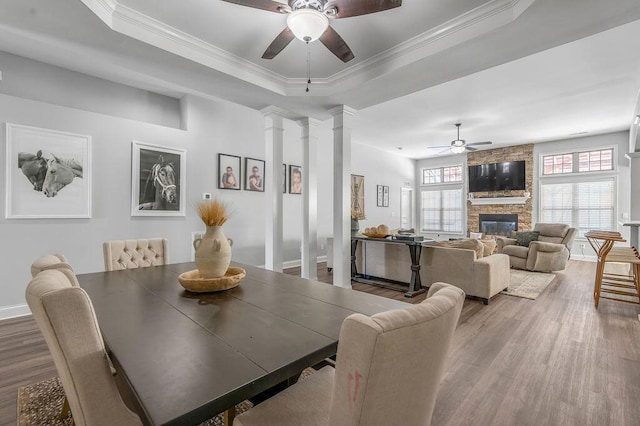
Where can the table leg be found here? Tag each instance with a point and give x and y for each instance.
(415, 286)
(228, 416)
(354, 268)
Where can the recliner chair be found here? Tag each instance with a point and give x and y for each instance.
(549, 253)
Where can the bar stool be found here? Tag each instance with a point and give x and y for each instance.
(627, 285)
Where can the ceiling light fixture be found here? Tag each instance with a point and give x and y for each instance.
(637, 120)
(307, 24)
(457, 149)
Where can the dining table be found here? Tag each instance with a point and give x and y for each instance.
(186, 357)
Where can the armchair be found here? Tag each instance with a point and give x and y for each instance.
(549, 253)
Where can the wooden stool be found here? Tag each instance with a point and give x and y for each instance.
(611, 283)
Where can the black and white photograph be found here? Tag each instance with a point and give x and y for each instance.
(158, 180)
(229, 171)
(380, 194)
(254, 174)
(295, 179)
(47, 173)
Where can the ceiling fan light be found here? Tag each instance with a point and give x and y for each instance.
(307, 24)
(457, 149)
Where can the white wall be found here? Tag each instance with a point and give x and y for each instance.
(211, 128)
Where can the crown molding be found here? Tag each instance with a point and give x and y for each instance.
(481, 20)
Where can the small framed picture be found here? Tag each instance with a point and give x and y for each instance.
(295, 179)
(284, 178)
(253, 174)
(48, 174)
(229, 171)
(385, 196)
(158, 185)
(357, 197)
(380, 198)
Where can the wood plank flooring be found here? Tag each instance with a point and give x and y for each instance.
(556, 360)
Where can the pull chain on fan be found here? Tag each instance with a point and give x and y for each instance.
(308, 66)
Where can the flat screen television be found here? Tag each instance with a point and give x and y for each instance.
(497, 176)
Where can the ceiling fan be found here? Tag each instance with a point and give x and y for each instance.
(308, 20)
(459, 146)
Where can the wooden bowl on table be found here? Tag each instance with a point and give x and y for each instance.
(194, 282)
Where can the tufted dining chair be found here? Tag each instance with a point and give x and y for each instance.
(133, 254)
(66, 318)
(388, 370)
(54, 261)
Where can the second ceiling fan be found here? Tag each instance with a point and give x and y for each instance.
(308, 20)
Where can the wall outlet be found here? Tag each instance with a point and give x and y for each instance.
(206, 195)
(321, 246)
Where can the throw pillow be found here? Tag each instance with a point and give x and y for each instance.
(524, 238)
(468, 244)
(489, 246)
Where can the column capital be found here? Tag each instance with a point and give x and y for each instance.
(308, 122)
(343, 109)
(632, 155)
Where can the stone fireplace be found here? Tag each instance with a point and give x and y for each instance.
(498, 224)
(522, 212)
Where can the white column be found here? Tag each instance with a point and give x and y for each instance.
(342, 118)
(273, 137)
(309, 139)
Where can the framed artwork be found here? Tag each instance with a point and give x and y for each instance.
(158, 180)
(284, 178)
(253, 174)
(229, 171)
(295, 179)
(47, 174)
(379, 192)
(385, 196)
(357, 197)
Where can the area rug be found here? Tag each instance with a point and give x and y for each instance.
(528, 285)
(41, 403)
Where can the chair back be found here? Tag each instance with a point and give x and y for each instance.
(389, 366)
(66, 318)
(54, 261)
(133, 254)
(558, 233)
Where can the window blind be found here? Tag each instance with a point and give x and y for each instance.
(442, 210)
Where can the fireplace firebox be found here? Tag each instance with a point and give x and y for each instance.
(498, 224)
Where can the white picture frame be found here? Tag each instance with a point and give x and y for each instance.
(158, 180)
(34, 193)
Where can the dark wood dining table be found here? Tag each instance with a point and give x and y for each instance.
(188, 356)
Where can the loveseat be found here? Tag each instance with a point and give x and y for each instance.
(549, 252)
(482, 277)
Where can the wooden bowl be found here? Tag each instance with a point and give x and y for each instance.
(375, 235)
(193, 281)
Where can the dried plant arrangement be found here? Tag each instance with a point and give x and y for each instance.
(213, 212)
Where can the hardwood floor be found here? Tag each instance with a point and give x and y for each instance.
(555, 360)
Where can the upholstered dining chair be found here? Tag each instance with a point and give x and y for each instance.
(388, 370)
(133, 254)
(66, 318)
(54, 261)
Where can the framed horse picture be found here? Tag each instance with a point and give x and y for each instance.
(47, 174)
(158, 186)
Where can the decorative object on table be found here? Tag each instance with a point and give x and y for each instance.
(385, 196)
(295, 179)
(158, 180)
(47, 174)
(254, 174)
(213, 250)
(355, 225)
(357, 197)
(380, 231)
(196, 283)
(229, 171)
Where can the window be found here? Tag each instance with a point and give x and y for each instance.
(578, 162)
(584, 205)
(442, 210)
(451, 174)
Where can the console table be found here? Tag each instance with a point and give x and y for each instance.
(415, 250)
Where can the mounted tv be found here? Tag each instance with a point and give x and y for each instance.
(497, 177)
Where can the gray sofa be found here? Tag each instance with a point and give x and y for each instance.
(549, 253)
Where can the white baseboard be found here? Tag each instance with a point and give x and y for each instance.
(14, 311)
(296, 263)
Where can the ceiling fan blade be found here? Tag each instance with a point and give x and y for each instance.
(332, 40)
(347, 8)
(272, 6)
(480, 143)
(439, 146)
(469, 148)
(281, 41)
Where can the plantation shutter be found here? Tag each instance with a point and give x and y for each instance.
(442, 210)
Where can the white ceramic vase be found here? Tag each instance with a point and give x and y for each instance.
(213, 253)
